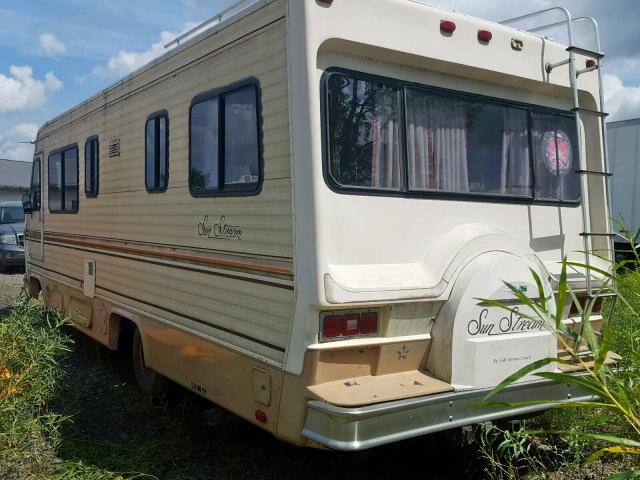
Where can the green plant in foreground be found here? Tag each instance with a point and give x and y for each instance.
(32, 345)
(615, 390)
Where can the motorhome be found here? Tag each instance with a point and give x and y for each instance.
(294, 211)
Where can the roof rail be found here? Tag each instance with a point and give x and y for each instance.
(568, 22)
(219, 19)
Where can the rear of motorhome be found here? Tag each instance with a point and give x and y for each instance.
(294, 211)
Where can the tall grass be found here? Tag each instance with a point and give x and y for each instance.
(32, 345)
(613, 382)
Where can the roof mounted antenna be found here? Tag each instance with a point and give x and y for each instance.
(219, 18)
(31, 142)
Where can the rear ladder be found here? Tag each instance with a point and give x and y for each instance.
(595, 65)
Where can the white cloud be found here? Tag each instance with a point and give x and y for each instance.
(622, 101)
(21, 91)
(10, 146)
(125, 61)
(51, 46)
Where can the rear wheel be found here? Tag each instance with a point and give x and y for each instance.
(148, 381)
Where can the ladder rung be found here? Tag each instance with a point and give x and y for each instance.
(586, 53)
(593, 172)
(603, 295)
(597, 234)
(589, 112)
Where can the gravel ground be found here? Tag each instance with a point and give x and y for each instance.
(10, 286)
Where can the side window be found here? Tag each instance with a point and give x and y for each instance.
(157, 152)
(63, 180)
(224, 143)
(36, 185)
(91, 167)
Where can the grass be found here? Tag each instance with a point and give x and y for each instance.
(589, 431)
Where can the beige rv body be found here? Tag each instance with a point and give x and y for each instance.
(237, 319)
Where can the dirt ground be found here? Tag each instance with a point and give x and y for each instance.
(10, 286)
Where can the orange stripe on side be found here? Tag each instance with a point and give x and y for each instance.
(173, 256)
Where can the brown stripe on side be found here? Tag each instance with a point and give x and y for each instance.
(283, 272)
(179, 267)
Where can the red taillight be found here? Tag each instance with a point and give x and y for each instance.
(348, 325)
(591, 63)
(597, 306)
(484, 35)
(368, 323)
(447, 26)
(261, 416)
(584, 302)
(332, 326)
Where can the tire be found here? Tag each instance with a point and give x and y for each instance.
(148, 381)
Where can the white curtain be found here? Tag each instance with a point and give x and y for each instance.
(385, 155)
(437, 144)
(515, 175)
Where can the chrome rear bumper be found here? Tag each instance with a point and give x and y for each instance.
(369, 426)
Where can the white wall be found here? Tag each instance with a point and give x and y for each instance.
(9, 195)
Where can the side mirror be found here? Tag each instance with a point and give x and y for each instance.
(26, 203)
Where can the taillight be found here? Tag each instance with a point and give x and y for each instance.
(447, 26)
(584, 301)
(484, 35)
(352, 324)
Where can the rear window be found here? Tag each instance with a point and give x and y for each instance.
(386, 135)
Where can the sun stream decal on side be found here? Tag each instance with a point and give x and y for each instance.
(220, 230)
(508, 324)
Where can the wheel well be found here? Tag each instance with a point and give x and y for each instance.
(125, 328)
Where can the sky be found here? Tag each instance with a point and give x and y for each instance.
(56, 53)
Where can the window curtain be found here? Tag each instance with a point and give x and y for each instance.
(437, 144)
(515, 175)
(385, 154)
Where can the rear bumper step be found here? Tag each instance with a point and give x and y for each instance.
(369, 426)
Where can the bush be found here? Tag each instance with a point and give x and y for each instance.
(32, 346)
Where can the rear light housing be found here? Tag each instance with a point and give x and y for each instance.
(347, 324)
(447, 26)
(584, 302)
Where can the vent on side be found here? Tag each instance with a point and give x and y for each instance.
(114, 147)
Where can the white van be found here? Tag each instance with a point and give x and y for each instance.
(294, 210)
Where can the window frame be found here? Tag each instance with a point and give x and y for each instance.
(405, 191)
(62, 176)
(36, 158)
(220, 93)
(88, 194)
(156, 161)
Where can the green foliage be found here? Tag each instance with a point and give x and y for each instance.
(615, 389)
(32, 345)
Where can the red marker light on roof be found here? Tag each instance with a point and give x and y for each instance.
(447, 26)
(591, 63)
(484, 35)
(261, 416)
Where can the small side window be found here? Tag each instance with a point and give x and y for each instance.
(157, 152)
(91, 167)
(63, 180)
(225, 142)
(36, 185)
